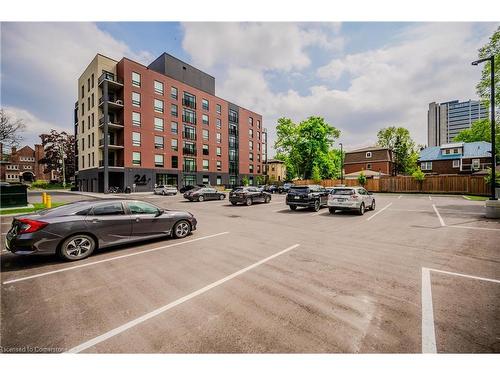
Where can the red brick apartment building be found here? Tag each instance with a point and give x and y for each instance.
(376, 159)
(164, 125)
(23, 165)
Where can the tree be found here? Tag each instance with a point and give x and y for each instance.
(56, 145)
(480, 131)
(316, 176)
(405, 151)
(245, 181)
(483, 87)
(419, 176)
(306, 145)
(487, 178)
(260, 180)
(10, 130)
(362, 178)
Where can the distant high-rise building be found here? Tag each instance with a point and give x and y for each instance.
(446, 120)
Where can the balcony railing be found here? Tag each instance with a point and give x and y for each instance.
(233, 119)
(189, 119)
(113, 101)
(189, 135)
(107, 76)
(233, 131)
(112, 163)
(189, 168)
(112, 143)
(189, 103)
(112, 123)
(189, 151)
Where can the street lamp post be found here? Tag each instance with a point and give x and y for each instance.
(61, 149)
(341, 165)
(491, 59)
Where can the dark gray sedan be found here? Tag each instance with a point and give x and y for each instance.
(75, 230)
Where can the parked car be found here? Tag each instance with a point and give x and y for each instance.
(204, 194)
(165, 190)
(312, 196)
(248, 195)
(75, 230)
(351, 198)
(285, 188)
(271, 189)
(189, 187)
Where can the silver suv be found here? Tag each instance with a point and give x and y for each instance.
(350, 198)
(165, 190)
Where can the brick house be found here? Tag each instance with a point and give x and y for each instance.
(455, 158)
(23, 165)
(276, 170)
(374, 158)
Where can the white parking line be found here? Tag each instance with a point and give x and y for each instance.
(475, 228)
(376, 213)
(171, 305)
(400, 197)
(430, 198)
(439, 216)
(111, 259)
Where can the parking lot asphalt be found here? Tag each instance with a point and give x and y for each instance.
(419, 274)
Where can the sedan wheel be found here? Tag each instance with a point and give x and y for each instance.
(221, 197)
(317, 206)
(181, 229)
(372, 207)
(77, 247)
(249, 201)
(293, 207)
(362, 209)
(201, 198)
(163, 192)
(332, 210)
(267, 199)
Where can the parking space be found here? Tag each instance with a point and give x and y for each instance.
(263, 278)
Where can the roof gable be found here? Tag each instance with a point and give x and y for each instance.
(479, 149)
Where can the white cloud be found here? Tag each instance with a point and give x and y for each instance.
(257, 45)
(44, 60)
(391, 85)
(34, 125)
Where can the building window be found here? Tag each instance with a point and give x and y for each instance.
(158, 142)
(188, 116)
(205, 149)
(159, 124)
(88, 121)
(456, 163)
(136, 158)
(250, 145)
(250, 168)
(204, 119)
(218, 180)
(83, 159)
(218, 123)
(250, 156)
(218, 108)
(136, 139)
(175, 146)
(205, 134)
(219, 138)
(158, 104)
(83, 91)
(173, 127)
(93, 122)
(426, 165)
(368, 155)
(136, 99)
(258, 157)
(158, 160)
(93, 102)
(173, 110)
(205, 164)
(83, 109)
(218, 151)
(476, 163)
(173, 93)
(250, 121)
(258, 124)
(258, 168)
(258, 136)
(175, 161)
(250, 133)
(204, 104)
(136, 79)
(92, 80)
(93, 157)
(368, 166)
(136, 119)
(83, 144)
(93, 139)
(158, 87)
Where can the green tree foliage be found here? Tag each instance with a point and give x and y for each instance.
(245, 181)
(316, 176)
(362, 179)
(487, 178)
(480, 131)
(56, 145)
(483, 87)
(306, 146)
(405, 151)
(418, 175)
(260, 180)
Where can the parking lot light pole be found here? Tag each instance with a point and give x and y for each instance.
(491, 59)
(341, 165)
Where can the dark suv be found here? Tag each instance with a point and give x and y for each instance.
(248, 195)
(313, 196)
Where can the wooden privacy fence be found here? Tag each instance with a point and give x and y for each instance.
(451, 184)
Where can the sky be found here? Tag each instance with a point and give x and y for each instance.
(360, 77)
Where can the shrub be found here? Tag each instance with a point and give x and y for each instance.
(487, 178)
(244, 181)
(419, 175)
(40, 184)
(316, 176)
(362, 179)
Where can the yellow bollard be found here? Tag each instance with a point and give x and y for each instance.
(48, 201)
(44, 198)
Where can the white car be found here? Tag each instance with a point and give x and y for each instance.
(350, 199)
(165, 190)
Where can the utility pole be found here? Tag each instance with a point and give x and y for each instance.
(341, 164)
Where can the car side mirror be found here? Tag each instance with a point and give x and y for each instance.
(160, 212)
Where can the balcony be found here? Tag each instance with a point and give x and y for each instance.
(112, 145)
(111, 78)
(189, 135)
(189, 119)
(189, 103)
(112, 123)
(233, 119)
(189, 151)
(113, 102)
(112, 163)
(190, 168)
(233, 131)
